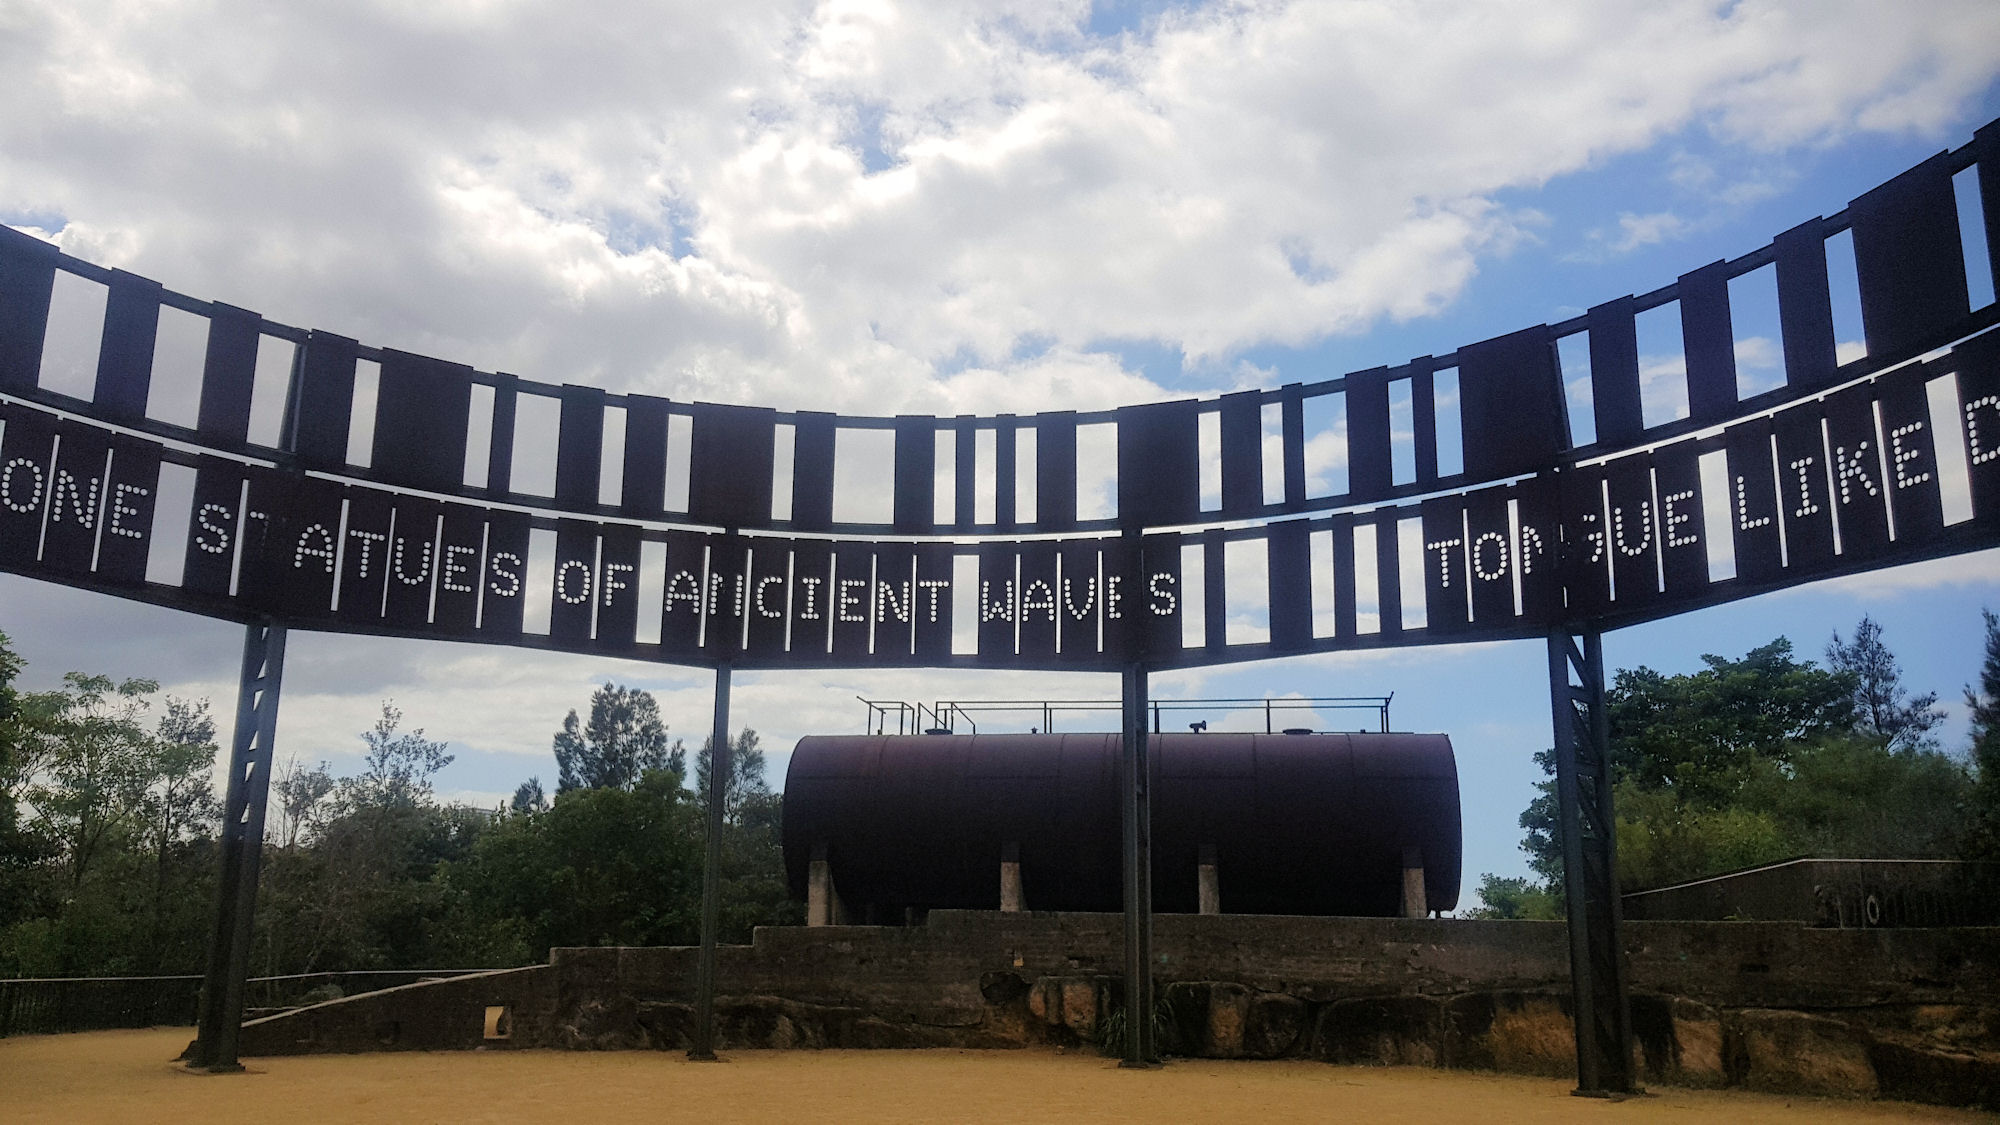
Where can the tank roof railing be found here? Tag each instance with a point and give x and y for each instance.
(945, 716)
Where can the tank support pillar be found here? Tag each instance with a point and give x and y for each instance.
(244, 800)
(1011, 899)
(1414, 905)
(719, 769)
(1590, 868)
(1208, 882)
(1136, 803)
(822, 898)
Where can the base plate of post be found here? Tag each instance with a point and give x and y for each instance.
(203, 1070)
(1611, 1095)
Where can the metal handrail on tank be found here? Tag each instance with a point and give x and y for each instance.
(944, 716)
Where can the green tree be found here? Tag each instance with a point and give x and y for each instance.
(529, 798)
(745, 784)
(623, 740)
(123, 805)
(1505, 897)
(107, 851)
(1692, 741)
(398, 768)
(1755, 760)
(366, 892)
(603, 866)
(94, 765)
(1983, 703)
(362, 890)
(1882, 707)
(14, 739)
(1542, 822)
(1663, 839)
(178, 803)
(1853, 795)
(754, 888)
(301, 798)
(1700, 734)
(26, 891)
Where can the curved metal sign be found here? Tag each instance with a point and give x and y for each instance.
(1442, 500)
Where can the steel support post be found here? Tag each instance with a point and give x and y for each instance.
(1141, 1049)
(702, 1047)
(245, 798)
(1590, 868)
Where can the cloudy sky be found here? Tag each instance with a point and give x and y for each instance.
(957, 207)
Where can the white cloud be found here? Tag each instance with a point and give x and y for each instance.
(1635, 231)
(1699, 177)
(1663, 386)
(1759, 354)
(1974, 570)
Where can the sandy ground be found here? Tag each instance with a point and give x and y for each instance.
(126, 1076)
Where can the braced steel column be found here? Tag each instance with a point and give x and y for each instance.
(702, 1045)
(244, 802)
(1136, 808)
(1590, 867)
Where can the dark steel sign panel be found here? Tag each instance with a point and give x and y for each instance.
(1442, 500)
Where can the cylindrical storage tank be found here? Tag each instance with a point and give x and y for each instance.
(1298, 823)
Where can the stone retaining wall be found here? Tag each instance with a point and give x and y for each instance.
(1766, 1005)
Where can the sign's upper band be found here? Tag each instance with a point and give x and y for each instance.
(1491, 411)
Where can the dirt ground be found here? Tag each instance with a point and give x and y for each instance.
(127, 1076)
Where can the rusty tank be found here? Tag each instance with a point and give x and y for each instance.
(1295, 823)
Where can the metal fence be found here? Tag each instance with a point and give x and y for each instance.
(86, 1003)
(40, 1006)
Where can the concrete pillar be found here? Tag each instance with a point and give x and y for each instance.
(1208, 884)
(1011, 899)
(1414, 905)
(822, 904)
